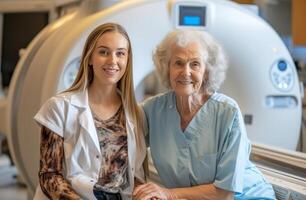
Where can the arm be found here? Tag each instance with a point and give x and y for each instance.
(51, 179)
(200, 192)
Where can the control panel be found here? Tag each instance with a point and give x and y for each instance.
(281, 75)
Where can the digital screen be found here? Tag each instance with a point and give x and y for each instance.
(192, 20)
(192, 16)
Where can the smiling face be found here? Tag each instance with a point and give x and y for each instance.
(109, 58)
(187, 69)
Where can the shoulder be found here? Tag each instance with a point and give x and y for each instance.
(223, 108)
(159, 100)
(224, 102)
(229, 117)
(64, 96)
(57, 103)
(52, 113)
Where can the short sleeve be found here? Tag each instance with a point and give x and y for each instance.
(233, 157)
(51, 115)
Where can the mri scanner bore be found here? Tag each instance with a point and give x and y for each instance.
(265, 85)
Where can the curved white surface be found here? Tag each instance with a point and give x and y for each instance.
(252, 47)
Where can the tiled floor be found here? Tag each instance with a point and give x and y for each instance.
(10, 183)
(13, 192)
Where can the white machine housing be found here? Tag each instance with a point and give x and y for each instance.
(261, 76)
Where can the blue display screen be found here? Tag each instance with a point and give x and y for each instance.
(192, 15)
(192, 20)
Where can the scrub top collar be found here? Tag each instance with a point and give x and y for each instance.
(192, 127)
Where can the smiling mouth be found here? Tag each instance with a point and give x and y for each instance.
(185, 82)
(110, 71)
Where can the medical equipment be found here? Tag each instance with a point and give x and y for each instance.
(261, 77)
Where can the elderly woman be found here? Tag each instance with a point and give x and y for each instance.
(197, 136)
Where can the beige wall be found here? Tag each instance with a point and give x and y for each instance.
(1, 27)
(244, 1)
(299, 22)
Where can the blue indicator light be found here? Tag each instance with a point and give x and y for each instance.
(191, 21)
(282, 65)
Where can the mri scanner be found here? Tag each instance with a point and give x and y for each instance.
(261, 77)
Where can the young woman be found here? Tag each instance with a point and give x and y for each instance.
(92, 144)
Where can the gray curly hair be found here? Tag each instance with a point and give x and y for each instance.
(213, 56)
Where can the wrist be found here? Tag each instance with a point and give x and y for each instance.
(171, 194)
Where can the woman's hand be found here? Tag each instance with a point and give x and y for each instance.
(151, 191)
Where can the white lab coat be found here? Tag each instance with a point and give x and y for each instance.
(69, 115)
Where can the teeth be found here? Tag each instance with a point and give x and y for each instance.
(112, 70)
(185, 82)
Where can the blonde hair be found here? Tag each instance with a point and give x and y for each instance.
(125, 85)
(212, 54)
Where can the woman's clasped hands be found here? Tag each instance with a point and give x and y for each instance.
(152, 191)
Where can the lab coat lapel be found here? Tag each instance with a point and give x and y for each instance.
(87, 123)
(80, 100)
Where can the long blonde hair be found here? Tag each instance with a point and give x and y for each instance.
(125, 85)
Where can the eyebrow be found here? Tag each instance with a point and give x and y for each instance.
(105, 47)
(178, 57)
(192, 59)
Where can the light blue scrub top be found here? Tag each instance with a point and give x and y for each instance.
(214, 147)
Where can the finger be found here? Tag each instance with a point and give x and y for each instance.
(147, 193)
(151, 195)
(144, 197)
(141, 195)
(140, 187)
(143, 187)
(148, 196)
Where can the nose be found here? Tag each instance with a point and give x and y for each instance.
(112, 58)
(186, 69)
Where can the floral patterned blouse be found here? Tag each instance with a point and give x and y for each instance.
(113, 175)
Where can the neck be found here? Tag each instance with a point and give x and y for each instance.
(189, 105)
(98, 94)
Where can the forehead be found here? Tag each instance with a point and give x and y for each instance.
(112, 40)
(190, 50)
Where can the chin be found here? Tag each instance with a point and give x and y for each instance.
(184, 92)
(110, 82)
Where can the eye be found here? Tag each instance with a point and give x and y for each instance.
(195, 64)
(121, 53)
(178, 63)
(103, 52)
